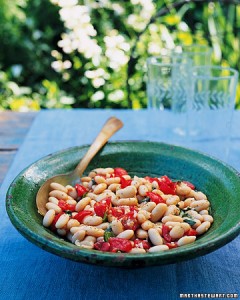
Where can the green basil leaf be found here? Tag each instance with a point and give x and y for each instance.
(105, 217)
(189, 221)
(108, 234)
(147, 199)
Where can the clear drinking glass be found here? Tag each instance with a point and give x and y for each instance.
(211, 109)
(200, 55)
(168, 89)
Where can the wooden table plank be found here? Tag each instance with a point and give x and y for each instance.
(13, 129)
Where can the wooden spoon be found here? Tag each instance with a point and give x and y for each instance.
(110, 127)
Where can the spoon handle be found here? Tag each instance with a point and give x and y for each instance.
(109, 128)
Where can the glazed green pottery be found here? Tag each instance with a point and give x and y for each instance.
(218, 181)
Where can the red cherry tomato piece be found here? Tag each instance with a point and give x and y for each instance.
(65, 206)
(53, 227)
(166, 185)
(125, 182)
(191, 231)
(165, 233)
(82, 214)
(172, 245)
(102, 207)
(102, 246)
(81, 190)
(118, 244)
(119, 172)
(117, 212)
(155, 197)
(129, 221)
(138, 243)
(189, 184)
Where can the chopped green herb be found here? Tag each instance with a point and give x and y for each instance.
(183, 213)
(189, 221)
(69, 212)
(105, 217)
(108, 233)
(147, 199)
(93, 182)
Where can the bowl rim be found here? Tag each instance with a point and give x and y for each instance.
(72, 252)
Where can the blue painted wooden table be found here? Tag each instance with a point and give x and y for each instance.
(27, 272)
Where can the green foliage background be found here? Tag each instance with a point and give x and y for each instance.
(39, 70)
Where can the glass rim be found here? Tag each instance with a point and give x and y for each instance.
(150, 60)
(234, 72)
(208, 48)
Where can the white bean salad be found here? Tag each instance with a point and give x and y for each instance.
(114, 212)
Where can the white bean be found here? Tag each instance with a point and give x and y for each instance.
(109, 170)
(59, 195)
(185, 226)
(171, 218)
(176, 232)
(186, 240)
(204, 212)
(103, 226)
(74, 229)
(200, 205)
(197, 223)
(137, 250)
(207, 218)
(113, 180)
(158, 211)
(200, 196)
(92, 196)
(182, 189)
(141, 234)
(172, 210)
(62, 221)
(149, 206)
(53, 200)
(71, 201)
(195, 215)
(203, 227)
(93, 231)
(79, 235)
(136, 183)
(85, 244)
(72, 191)
(142, 190)
(100, 188)
(92, 220)
(127, 201)
(158, 248)
(114, 187)
(53, 206)
(86, 179)
(126, 234)
(147, 225)
(155, 237)
(128, 192)
(99, 179)
(188, 201)
(58, 186)
(172, 200)
(105, 195)
(141, 217)
(117, 226)
(72, 223)
(82, 204)
(48, 218)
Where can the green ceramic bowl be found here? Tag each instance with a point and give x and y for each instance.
(220, 182)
